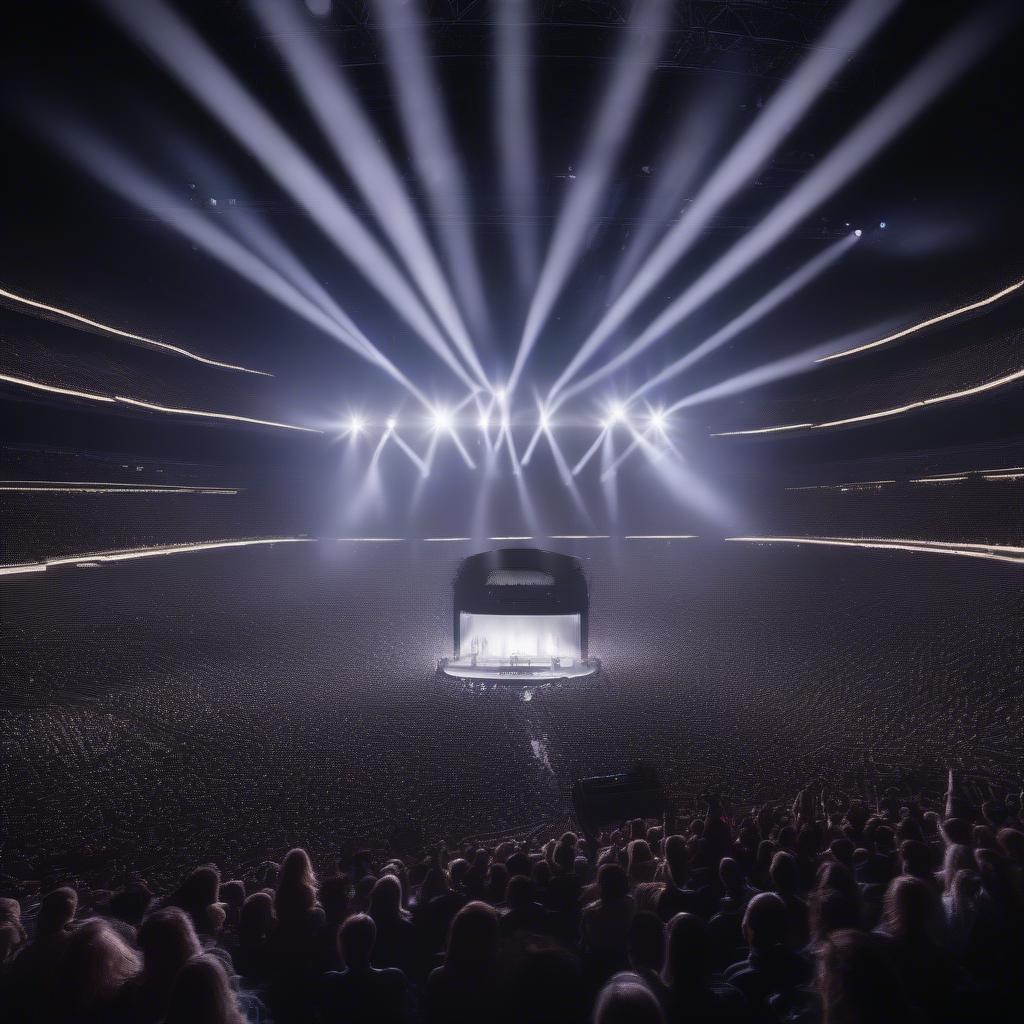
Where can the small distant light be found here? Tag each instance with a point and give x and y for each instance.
(545, 419)
(617, 412)
(212, 201)
(485, 421)
(881, 224)
(442, 420)
(658, 419)
(356, 424)
(391, 423)
(858, 232)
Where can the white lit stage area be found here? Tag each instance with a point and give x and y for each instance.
(519, 614)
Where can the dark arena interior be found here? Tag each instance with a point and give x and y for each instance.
(511, 510)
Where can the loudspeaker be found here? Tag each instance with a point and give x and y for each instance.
(607, 799)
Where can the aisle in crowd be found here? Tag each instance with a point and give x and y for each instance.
(825, 910)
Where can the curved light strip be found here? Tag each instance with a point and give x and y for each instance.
(153, 552)
(995, 297)
(993, 552)
(119, 399)
(117, 332)
(213, 415)
(896, 411)
(115, 489)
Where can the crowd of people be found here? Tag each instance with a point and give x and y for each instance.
(829, 909)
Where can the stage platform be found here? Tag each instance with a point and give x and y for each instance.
(501, 670)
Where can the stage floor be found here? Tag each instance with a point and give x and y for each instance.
(499, 670)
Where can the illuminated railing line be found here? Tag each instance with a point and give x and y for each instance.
(54, 389)
(115, 485)
(510, 538)
(1003, 476)
(444, 540)
(129, 554)
(852, 485)
(116, 489)
(214, 415)
(940, 479)
(978, 389)
(992, 552)
(660, 536)
(578, 536)
(117, 332)
(370, 540)
(995, 297)
(91, 396)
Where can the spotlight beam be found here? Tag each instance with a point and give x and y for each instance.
(590, 452)
(517, 156)
(615, 117)
(676, 170)
(199, 72)
(416, 460)
(117, 173)
(844, 37)
(430, 141)
(770, 301)
(45, 310)
(355, 144)
(930, 76)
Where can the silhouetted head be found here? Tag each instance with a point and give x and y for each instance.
(626, 999)
(645, 941)
(911, 908)
(97, 963)
(519, 892)
(784, 873)
(832, 911)
(233, 894)
(56, 911)
(199, 891)
(202, 994)
(472, 940)
(916, 859)
(612, 883)
(386, 899)
(257, 919)
(687, 956)
(167, 940)
(130, 903)
(858, 984)
(357, 936)
(640, 860)
(765, 921)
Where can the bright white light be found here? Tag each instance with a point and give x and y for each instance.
(858, 233)
(881, 224)
(485, 421)
(617, 412)
(391, 423)
(500, 394)
(658, 419)
(545, 420)
(356, 424)
(442, 420)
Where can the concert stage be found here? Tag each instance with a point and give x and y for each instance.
(519, 614)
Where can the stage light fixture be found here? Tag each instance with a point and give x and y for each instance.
(442, 420)
(391, 423)
(500, 394)
(617, 412)
(658, 419)
(858, 232)
(545, 420)
(485, 421)
(356, 424)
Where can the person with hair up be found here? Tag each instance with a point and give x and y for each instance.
(361, 993)
(168, 941)
(625, 999)
(94, 974)
(202, 994)
(464, 990)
